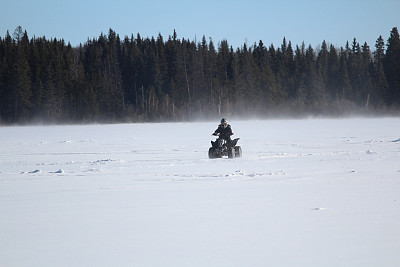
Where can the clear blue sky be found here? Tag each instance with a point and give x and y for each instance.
(236, 21)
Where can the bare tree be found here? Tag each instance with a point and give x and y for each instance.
(18, 34)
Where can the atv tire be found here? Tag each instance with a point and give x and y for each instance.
(238, 152)
(211, 154)
(231, 152)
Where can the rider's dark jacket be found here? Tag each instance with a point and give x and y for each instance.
(224, 133)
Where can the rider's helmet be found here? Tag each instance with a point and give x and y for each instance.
(224, 123)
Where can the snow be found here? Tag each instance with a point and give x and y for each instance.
(316, 192)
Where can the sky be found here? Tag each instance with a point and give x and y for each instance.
(238, 22)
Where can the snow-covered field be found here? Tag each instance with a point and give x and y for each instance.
(317, 192)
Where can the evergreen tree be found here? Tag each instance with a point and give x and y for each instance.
(392, 67)
(315, 93)
(380, 85)
(355, 71)
(322, 68)
(2, 88)
(211, 78)
(343, 79)
(379, 53)
(9, 61)
(333, 87)
(300, 77)
(366, 86)
(267, 94)
(223, 92)
(22, 84)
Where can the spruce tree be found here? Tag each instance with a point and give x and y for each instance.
(366, 85)
(392, 67)
(333, 74)
(300, 76)
(322, 68)
(379, 53)
(344, 80)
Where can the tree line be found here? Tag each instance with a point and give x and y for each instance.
(152, 79)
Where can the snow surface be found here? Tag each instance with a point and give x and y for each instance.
(317, 192)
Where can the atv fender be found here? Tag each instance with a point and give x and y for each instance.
(234, 141)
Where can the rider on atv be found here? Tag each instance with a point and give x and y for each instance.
(225, 131)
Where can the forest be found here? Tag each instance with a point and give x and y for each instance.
(136, 79)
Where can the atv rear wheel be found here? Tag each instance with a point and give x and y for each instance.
(211, 154)
(238, 151)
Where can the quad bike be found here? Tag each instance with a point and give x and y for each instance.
(220, 148)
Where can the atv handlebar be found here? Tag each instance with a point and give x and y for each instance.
(216, 134)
